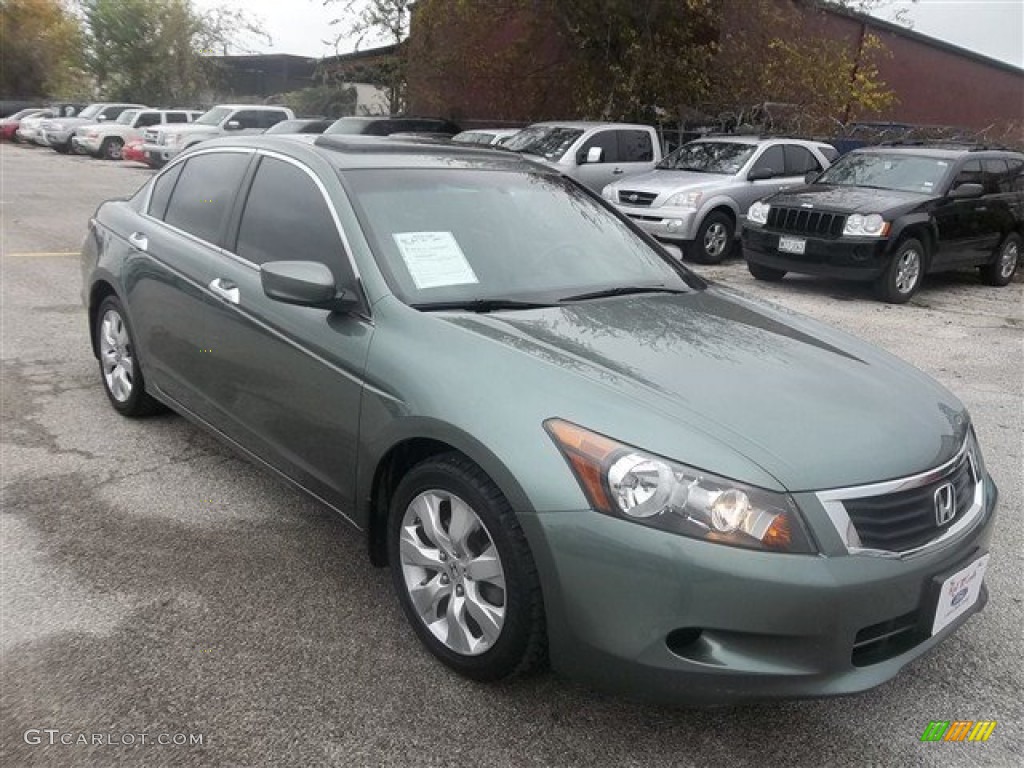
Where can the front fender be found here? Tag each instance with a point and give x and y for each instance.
(901, 225)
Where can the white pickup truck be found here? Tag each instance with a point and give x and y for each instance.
(107, 139)
(164, 142)
(595, 154)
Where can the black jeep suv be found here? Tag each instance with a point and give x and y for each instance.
(890, 214)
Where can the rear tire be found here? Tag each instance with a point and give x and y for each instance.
(903, 274)
(62, 148)
(714, 241)
(463, 571)
(768, 274)
(120, 372)
(112, 148)
(1005, 262)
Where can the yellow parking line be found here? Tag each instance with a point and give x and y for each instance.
(41, 253)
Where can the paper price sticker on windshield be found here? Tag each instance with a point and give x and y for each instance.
(434, 259)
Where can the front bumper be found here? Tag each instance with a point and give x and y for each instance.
(158, 155)
(85, 144)
(673, 224)
(847, 258)
(57, 138)
(671, 619)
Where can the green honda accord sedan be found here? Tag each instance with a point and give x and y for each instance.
(567, 448)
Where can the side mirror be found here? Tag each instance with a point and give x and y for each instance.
(811, 177)
(594, 155)
(305, 284)
(232, 125)
(760, 174)
(101, 118)
(966, 191)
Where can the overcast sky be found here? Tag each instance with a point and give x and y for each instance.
(994, 28)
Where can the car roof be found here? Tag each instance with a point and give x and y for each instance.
(346, 152)
(753, 140)
(248, 106)
(944, 152)
(587, 124)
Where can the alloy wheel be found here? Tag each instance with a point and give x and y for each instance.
(715, 240)
(116, 356)
(908, 270)
(452, 572)
(1008, 259)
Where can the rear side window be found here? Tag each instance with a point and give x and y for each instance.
(177, 117)
(163, 185)
(799, 160)
(287, 219)
(1013, 181)
(112, 113)
(773, 159)
(205, 191)
(830, 153)
(995, 170)
(146, 119)
(608, 141)
(635, 147)
(270, 117)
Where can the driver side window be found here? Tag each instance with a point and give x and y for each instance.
(609, 144)
(772, 159)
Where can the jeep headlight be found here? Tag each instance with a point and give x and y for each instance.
(608, 193)
(872, 225)
(684, 200)
(758, 213)
(633, 485)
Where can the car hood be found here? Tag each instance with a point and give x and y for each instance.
(812, 407)
(847, 199)
(188, 128)
(666, 181)
(63, 123)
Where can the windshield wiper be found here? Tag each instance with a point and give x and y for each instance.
(479, 305)
(622, 290)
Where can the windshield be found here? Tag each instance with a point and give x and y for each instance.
(709, 157)
(22, 113)
(126, 117)
(547, 141)
(354, 126)
(91, 111)
(213, 117)
(466, 235)
(906, 173)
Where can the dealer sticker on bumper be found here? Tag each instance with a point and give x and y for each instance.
(959, 592)
(792, 244)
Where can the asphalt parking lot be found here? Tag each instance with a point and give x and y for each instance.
(154, 583)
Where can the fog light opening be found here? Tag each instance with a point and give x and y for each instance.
(674, 225)
(679, 640)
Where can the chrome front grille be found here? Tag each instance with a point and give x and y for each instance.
(801, 221)
(902, 517)
(639, 199)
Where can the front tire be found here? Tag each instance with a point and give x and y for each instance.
(119, 365)
(1007, 259)
(904, 273)
(112, 148)
(463, 570)
(714, 238)
(768, 274)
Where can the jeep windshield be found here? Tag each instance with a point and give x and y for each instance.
(722, 157)
(904, 173)
(126, 117)
(548, 141)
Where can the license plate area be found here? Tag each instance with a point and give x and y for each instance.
(792, 245)
(957, 593)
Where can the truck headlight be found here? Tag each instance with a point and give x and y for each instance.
(608, 193)
(633, 485)
(689, 200)
(872, 225)
(758, 213)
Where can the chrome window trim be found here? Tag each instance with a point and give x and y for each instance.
(832, 501)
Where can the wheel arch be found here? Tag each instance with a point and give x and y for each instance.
(424, 439)
(100, 289)
(923, 229)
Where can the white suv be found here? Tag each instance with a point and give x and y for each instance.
(107, 140)
(163, 143)
(697, 195)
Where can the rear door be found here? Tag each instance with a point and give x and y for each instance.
(282, 380)
(176, 244)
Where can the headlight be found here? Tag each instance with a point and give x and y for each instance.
(608, 193)
(758, 213)
(627, 483)
(872, 225)
(684, 200)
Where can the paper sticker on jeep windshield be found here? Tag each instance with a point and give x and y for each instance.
(434, 259)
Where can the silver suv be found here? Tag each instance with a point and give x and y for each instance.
(696, 195)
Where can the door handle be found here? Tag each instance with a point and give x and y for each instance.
(225, 289)
(138, 241)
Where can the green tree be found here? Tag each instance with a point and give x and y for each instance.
(39, 55)
(157, 51)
